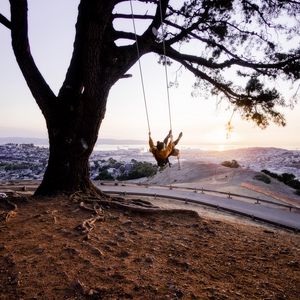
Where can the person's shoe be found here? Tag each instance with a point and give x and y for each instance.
(180, 135)
(162, 168)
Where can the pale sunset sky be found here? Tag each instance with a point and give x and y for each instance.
(202, 121)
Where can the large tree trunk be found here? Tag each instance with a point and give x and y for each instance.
(67, 170)
(73, 131)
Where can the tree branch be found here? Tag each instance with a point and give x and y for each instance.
(181, 57)
(125, 35)
(186, 31)
(259, 108)
(143, 1)
(148, 36)
(229, 93)
(204, 40)
(4, 21)
(125, 16)
(256, 8)
(19, 31)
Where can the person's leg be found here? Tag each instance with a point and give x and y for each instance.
(167, 137)
(162, 164)
(168, 162)
(178, 139)
(175, 152)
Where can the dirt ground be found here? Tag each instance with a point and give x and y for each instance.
(45, 254)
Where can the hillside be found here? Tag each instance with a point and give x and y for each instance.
(198, 174)
(45, 254)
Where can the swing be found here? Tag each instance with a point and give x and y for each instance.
(162, 163)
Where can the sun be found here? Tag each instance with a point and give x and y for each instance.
(218, 137)
(222, 140)
(221, 148)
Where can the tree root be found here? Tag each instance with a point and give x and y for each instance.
(92, 193)
(97, 204)
(88, 225)
(96, 208)
(6, 204)
(87, 292)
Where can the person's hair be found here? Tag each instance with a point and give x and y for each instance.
(160, 145)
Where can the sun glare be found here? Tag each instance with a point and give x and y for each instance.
(221, 148)
(221, 140)
(218, 137)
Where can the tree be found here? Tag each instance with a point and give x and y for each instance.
(226, 33)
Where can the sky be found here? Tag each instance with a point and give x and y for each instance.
(202, 121)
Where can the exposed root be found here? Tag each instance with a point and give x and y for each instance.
(6, 204)
(88, 225)
(96, 208)
(85, 291)
(97, 205)
(52, 212)
(132, 205)
(103, 200)
(93, 193)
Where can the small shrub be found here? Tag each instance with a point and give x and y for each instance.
(274, 175)
(263, 178)
(139, 170)
(104, 175)
(286, 178)
(294, 184)
(230, 164)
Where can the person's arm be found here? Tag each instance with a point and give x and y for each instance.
(151, 144)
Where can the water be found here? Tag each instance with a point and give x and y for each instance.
(204, 147)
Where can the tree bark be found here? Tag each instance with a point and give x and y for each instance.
(67, 170)
(73, 127)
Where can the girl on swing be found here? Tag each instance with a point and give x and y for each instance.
(163, 150)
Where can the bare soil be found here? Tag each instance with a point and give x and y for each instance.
(45, 253)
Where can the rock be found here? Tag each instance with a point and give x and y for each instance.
(149, 259)
(123, 254)
(127, 222)
(285, 251)
(269, 231)
(293, 263)
(97, 251)
(179, 294)
(38, 250)
(71, 251)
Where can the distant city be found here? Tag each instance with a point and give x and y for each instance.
(28, 161)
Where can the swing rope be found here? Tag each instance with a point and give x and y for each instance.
(140, 66)
(166, 78)
(165, 63)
